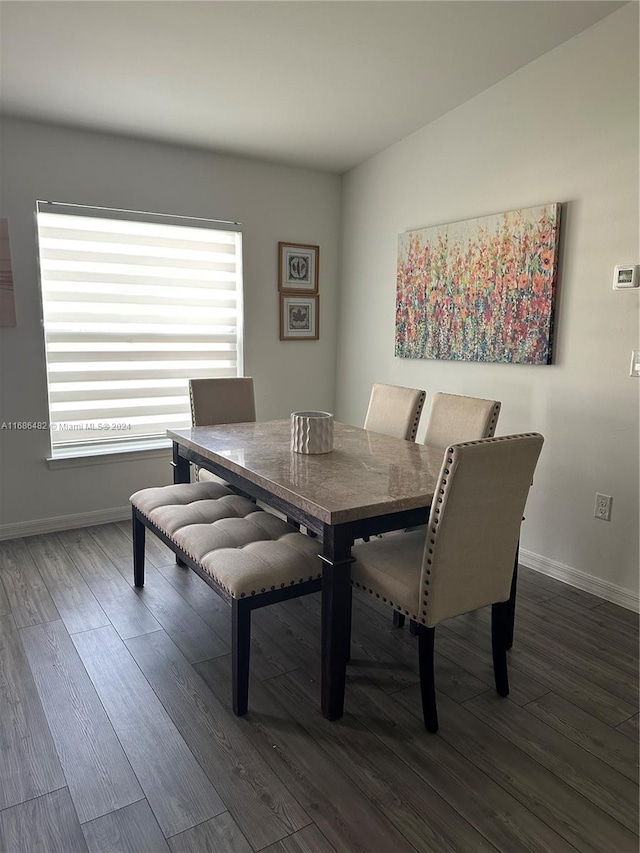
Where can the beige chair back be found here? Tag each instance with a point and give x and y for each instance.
(222, 401)
(454, 418)
(395, 411)
(474, 525)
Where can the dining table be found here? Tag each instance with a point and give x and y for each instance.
(369, 484)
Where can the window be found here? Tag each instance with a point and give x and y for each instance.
(134, 305)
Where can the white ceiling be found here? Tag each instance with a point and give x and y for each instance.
(318, 84)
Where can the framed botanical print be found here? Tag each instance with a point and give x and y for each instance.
(298, 267)
(299, 317)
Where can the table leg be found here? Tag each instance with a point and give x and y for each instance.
(336, 618)
(181, 467)
(181, 474)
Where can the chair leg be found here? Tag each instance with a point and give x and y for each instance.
(398, 619)
(426, 639)
(413, 627)
(240, 649)
(138, 548)
(500, 629)
(512, 601)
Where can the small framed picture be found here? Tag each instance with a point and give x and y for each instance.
(299, 317)
(298, 267)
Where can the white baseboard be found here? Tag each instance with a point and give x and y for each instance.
(581, 580)
(63, 522)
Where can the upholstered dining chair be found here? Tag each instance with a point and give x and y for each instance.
(454, 418)
(394, 410)
(226, 400)
(463, 558)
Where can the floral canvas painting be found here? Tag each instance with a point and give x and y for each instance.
(480, 290)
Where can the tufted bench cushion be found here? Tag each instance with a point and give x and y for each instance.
(173, 507)
(245, 550)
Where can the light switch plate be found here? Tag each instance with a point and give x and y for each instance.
(625, 277)
(635, 363)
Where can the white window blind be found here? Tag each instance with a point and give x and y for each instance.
(133, 305)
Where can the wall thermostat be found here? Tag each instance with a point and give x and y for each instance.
(625, 276)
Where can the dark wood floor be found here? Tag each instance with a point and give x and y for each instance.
(117, 733)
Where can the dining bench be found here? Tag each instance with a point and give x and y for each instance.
(250, 557)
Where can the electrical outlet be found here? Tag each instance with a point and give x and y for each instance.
(603, 507)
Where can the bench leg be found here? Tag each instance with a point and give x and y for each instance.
(138, 549)
(240, 648)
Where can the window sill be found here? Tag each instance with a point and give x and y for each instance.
(107, 454)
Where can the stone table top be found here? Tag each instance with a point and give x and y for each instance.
(367, 474)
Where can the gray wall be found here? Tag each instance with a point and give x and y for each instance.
(562, 129)
(272, 202)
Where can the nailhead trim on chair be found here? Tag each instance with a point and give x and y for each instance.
(416, 420)
(443, 489)
(494, 420)
(377, 595)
